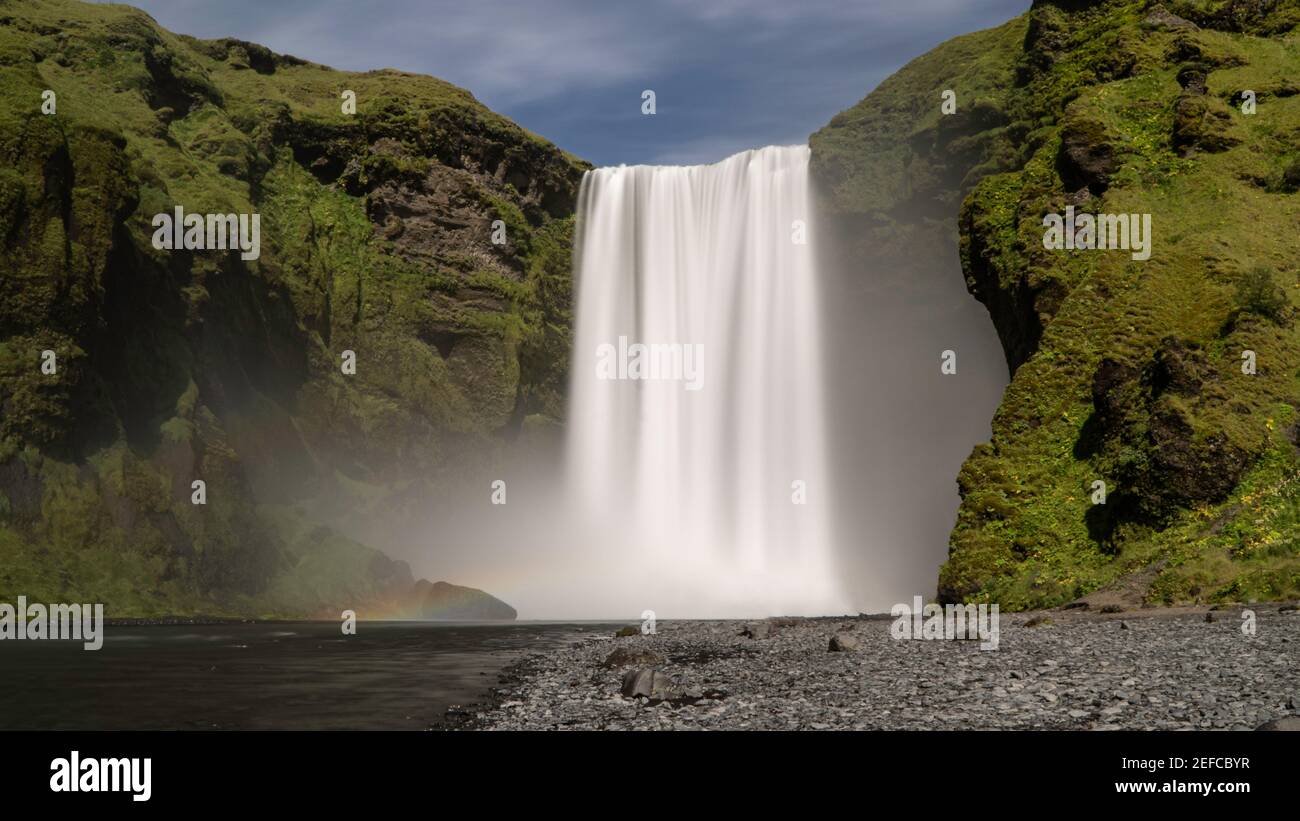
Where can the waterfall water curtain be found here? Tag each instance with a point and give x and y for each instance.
(696, 436)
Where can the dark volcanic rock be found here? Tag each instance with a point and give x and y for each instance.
(1087, 156)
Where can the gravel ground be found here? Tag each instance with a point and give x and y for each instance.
(1150, 669)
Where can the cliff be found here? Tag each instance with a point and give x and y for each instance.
(1124, 371)
(171, 366)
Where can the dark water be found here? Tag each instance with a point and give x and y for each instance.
(301, 675)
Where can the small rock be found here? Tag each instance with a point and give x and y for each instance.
(1161, 18)
(1039, 621)
(1123, 625)
(626, 632)
(843, 643)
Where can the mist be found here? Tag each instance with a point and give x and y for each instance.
(656, 498)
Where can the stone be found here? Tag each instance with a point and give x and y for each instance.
(1087, 155)
(649, 683)
(1162, 18)
(843, 643)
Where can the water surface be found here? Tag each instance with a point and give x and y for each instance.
(299, 675)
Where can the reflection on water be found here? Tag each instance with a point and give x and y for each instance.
(391, 675)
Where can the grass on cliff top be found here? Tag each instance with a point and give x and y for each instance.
(864, 148)
(112, 66)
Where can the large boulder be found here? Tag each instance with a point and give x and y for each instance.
(843, 643)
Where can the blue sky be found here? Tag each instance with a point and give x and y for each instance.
(728, 74)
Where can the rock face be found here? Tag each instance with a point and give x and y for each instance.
(1129, 377)
(181, 366)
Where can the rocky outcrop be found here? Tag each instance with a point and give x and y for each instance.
(441, 601)
(1087, 157)
(1200, 121)
(1161, 18)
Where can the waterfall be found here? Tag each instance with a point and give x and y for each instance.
(696, 444)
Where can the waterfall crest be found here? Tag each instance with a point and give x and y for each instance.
(696, 447)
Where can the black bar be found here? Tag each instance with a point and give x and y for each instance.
(439, 770)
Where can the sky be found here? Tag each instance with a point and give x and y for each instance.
(727, 74)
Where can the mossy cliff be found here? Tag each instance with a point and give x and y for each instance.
(175, 366)
(1125, 372)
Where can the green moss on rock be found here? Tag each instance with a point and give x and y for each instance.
(178, 366)
(1124, 372)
